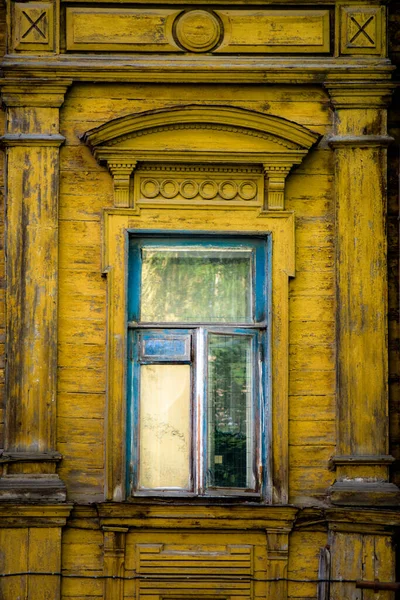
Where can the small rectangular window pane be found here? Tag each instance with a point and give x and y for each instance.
(164, 426)
(230, 411)
(192, 285)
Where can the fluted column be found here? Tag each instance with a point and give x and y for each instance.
(32, 144)
(360, 143)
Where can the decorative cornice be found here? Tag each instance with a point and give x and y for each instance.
(199, 68)
(37, 92)
(360, 94)
(31, 139)
(360, 141)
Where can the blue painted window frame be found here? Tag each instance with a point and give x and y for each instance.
(258, 330)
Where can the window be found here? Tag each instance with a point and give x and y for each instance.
(198, 309)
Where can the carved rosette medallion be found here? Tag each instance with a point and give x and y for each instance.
(198, 30)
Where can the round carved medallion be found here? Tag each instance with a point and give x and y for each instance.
(189, 188)
(197, 30)
(169, 188)
(228, 189)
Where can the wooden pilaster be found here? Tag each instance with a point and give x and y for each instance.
(360, 142)
(32, 144)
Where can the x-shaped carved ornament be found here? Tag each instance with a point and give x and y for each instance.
(361, 30)
(34, 24)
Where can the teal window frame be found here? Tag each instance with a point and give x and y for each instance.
(186, 343)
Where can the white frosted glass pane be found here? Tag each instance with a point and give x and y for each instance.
(196, 285)
(164, 426)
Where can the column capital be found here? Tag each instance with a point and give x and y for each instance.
(33, 92)
(360, 94)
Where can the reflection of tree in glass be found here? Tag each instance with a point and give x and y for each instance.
(229, 405)
(196, 285)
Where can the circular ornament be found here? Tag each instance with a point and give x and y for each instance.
(189, 188)
(169, 188)
(208, 189)
(197, 30)
(247, 190)
(228, 190)
(150, 188)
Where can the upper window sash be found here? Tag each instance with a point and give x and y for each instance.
(189, 247)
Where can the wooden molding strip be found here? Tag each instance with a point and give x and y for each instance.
(14, 457)
(366, 459)
(31, 139)
(360, 141)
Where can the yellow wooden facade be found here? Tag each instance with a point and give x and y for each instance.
(298, 102)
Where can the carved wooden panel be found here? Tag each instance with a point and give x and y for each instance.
(164, 30)
(33, 26)
(283, 31)
(361, 30)
(201, 186)
(120, 29)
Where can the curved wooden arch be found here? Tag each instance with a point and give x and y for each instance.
(112, 133)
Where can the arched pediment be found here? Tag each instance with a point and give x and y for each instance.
(137, 130)
(201, 135)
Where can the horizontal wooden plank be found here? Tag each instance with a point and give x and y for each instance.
(312, 332)
(314, 258)
(91, 356)
(80, 258)
(312, 308)
(312, 433)
(308, 383)
(80, 557)
(309, 283)
(303, 185)
(83, 305)
(310, 456)
(86, 331)
(313, 231)
(312, 358)
(89, 431)
(82, 454)
(312, 408)
(310, 207)
(81, 379)
(80, 405)
(205, 92)
(309, 480)
(80, 233)
(85, 486)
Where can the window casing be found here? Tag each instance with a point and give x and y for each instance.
(198, 308)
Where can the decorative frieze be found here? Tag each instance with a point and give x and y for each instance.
(166, 30)
(237, 186)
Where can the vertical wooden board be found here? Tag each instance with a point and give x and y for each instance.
(14, 552)
(44, 556)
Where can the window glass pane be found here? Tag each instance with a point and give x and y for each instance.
(196, 285)
(229, 411)
(164, 426)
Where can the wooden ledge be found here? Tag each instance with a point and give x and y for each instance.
(191, 516)
(366, 459)
(360, 141)
(26, 515)
(363, 493)
(31, 139)
(38, 457)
